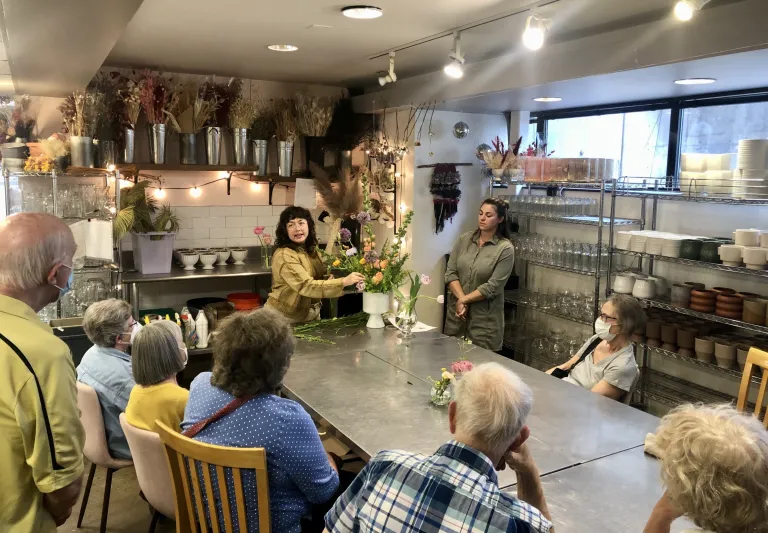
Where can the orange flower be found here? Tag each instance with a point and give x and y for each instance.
(378, 278)
(377, 264)
(383, 264)
(366, 248)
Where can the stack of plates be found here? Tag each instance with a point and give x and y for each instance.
(753, 154)
(623, 239)
(654, 244)
(637, 242)
(750, 183)
(671, 247)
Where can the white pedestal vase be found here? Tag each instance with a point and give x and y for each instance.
(375, 304)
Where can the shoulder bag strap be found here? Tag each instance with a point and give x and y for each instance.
(221, 413)
(585, 353)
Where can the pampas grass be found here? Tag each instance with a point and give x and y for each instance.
(342, 198)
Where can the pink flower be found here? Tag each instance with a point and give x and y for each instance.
(425, 280)
(258, 230)
(360, 286)
(267, 238)
(459, 367)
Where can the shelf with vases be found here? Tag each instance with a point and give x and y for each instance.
(694, 263)
(730, 372)
(590, 273)
(667, 306)
(514, 298)
(586, 220)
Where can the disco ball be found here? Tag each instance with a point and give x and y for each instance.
(483, 148)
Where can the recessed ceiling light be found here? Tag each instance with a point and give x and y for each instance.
(548, 99)
(282, 47)
(695, 81)
(362, 12)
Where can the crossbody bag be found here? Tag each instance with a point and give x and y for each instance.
(559, 373)
(221, 413)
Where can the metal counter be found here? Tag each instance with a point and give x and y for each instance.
(612, 494)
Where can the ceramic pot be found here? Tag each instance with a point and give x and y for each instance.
(653, 329)
(725, 313)
(702, 308)
(223, 255)
(239, 255)
(754, 256)
(764, 239)
(662, 286)
(686, 352)
(681, 295)
(702, 295)
(669, 333)
(747, 237)
(709, 251)
(375, 304)
(725, 353)
(730, 253)
(731, 299)
(624, 284)
(704, 345)
(686, 337)
(690, 249)
(742, 350)
(654, 343)
(189, 260)
(208, 259)
(669, 346)
(644, 288)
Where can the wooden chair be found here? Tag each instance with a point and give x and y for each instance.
(758, 358)
(184, 454)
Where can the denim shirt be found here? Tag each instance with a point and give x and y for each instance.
(109, 372)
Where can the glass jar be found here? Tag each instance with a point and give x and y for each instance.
(440, 397)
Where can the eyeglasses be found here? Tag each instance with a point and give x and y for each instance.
(606, 318)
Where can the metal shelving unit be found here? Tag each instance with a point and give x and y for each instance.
(656, 385)
(513, 297)
(561, 268)
(585, 220)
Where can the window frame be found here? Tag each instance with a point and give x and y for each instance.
(676, 107)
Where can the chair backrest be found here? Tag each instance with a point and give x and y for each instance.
(757, 358)
(96, 448)
(185, 455)
(151, 467)
(628, 396)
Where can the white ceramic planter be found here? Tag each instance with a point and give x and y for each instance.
(375, 304)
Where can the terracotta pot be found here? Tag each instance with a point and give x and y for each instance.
(704, 345)
(686, 338)
(670, 347)
(730, 307)
(654, 343)
(730, 299)
(703, 294)
(669, 333)
(754, 312)
(694, 285)
(686, 352)
(703, 308)
(723, 290)
(733, 315)
(653, 329)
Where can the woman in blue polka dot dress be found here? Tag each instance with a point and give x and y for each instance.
(251, 354)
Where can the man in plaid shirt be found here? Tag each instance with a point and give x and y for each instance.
(456, 489)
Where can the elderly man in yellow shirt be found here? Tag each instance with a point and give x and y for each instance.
(41, 449)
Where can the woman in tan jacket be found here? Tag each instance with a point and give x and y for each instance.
(298, 271)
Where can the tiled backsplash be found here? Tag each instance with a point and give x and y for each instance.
(218, 226)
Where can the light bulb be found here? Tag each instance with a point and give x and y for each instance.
(125, 183)
(195, 192)
(223, 175)
(403, 207)
(453, 70)
(111, 168)
(113, 210)
(533, 38)
(255, 187)
(397, 174)
(684, 10)
(160, 193)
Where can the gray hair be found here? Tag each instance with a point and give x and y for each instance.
(105, 320)
(174, 329)
(492, 405)
(32, 244)
(630, 314)
(155, 354)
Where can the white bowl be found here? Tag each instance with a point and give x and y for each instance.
(730, 252)
(189, 261)
(624, 283)
(764, 239)
(208, 259)
(223, 255)
(239, 255)
(644, 288)
(754, 256)
(747, 237)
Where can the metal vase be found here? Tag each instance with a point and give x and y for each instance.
(129, 148)
(213, 145)
(240, 143)
(285, 158)
(345, 162)
(107, 153)
(82, 151)
(259, 149)
(188, 148)
(157, 143)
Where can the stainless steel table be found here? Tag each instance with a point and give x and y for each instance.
(611, 494)
(362, 338)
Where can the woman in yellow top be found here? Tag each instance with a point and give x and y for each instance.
(298, 271)
(158, 354)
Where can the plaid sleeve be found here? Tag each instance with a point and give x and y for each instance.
(343, 515)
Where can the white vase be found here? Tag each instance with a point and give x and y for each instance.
(375, 304)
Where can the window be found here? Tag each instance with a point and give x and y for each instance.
(718, 129)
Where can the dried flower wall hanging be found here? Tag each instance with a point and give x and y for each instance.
(445, 193)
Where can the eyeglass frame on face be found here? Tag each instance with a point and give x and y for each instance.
(130, 330)
(605, 318)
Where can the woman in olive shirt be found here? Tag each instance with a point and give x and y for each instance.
(298, 271)
(479, 266)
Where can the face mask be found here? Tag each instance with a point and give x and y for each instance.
(603, 330)
(134, 330)
(68, 287)
(185, 353)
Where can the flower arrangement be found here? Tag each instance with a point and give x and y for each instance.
(191, 110)
(242, 113)
(224, 95)
(533, 150)
(500, 158)
(108, 119)
(286, 127)
(407, 305)
(21, 121)
(128, 93)
(80, 112)
(263, 126)
(55, 146)
(39, 163)
(265, 239)
(441, 392)
(461, 366)
(156, 96)
(313, 115)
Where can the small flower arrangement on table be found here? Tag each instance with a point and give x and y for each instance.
(441, 388)
(265, 239)
(406, 316)
(461, 366)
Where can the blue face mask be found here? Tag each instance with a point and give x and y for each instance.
(68, 287)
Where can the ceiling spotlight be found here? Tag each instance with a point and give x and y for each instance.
(685, 9)
(548, 99)
(535, 32)
(695, 81)
(282, 47)
(454, 68)
(390, 76)
(362, 12)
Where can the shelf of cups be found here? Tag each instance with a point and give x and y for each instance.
(514, 297)
(560, 267)
(667, 306)
(700, 264)
(585, 220)
(512, 345)
(731, 372)
(683, 197)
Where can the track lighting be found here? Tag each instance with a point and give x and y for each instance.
(454, 68)
(390, 76)
(685, 9)
(535, 32)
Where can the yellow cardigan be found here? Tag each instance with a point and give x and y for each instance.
(298, 284)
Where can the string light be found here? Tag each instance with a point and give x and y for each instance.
(195, 192)
(125, 183)
(255, 187)
(160, 193)
(111, 168)
(223, 175)
(402, 207)
(112, 210)
(395, 240)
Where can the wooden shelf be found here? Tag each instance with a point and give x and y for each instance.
(148, 167)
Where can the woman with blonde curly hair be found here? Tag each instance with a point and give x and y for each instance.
(714, 465)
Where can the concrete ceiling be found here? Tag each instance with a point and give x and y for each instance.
(229, 37)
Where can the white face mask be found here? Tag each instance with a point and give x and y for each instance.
(603, 330)
(185, 353)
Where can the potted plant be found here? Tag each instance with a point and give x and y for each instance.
(242, 113)
(190, 113)
(152, 229)
(286, 132)
(108, 121)
(157, 96)
(262, 129)
(129, 105)
(56, 147)
(313, 118)
(224, 95)
(80, 112)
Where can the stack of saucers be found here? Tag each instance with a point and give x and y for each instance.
(623, 239)
(638, 241)
(671, 247)
(655, 244)
(753, 154)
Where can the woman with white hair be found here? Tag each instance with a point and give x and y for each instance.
(714, 465)
(158, 354)
(106, 366)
